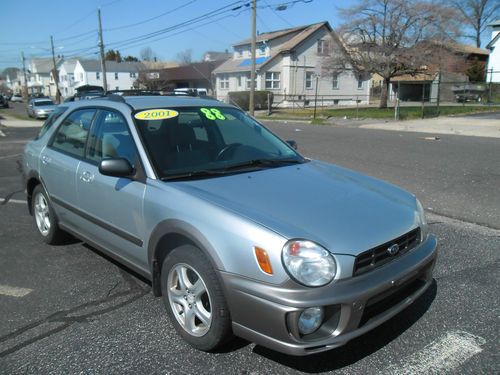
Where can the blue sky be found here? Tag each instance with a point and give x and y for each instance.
(28, 24)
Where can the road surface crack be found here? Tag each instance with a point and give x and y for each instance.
(67, 319)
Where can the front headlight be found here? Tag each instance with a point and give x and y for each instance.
(424, 227)
(309, 263)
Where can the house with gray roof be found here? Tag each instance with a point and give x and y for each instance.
(290, 63)
(41, 77)
(67, 78)
(119, 76)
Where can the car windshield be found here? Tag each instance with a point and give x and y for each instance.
(195, 142)
(40, 103)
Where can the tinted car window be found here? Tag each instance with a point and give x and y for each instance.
(110, 138)
(51, 119)
(208, 139)
(41, 103)
(71, 136)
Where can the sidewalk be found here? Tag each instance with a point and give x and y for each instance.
(466, 125)
(12, 122)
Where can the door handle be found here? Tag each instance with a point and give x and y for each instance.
(87, 176)
(46, 159)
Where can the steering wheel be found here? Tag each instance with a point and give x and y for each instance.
(226, 150)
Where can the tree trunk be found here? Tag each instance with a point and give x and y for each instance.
(384, 93)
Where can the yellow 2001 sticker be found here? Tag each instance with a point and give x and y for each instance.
(156, 114)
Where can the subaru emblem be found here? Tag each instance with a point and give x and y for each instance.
(393, 249)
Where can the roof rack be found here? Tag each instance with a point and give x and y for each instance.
(132, 92)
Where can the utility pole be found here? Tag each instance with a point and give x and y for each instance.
(56, 75)
(252, 73)
(101, 48)
(25, 90)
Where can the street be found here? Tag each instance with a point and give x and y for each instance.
(70, 309)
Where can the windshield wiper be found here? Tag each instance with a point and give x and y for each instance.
(193, 174)
(263, 163)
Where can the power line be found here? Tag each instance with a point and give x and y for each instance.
(194, 20)
(150, 19)
(277, 14)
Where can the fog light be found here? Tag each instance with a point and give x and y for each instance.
(310, 319)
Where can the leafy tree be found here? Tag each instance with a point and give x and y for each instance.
(112, 55)
(476, 72)
(130, 58)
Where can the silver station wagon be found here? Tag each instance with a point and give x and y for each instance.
(238, 233)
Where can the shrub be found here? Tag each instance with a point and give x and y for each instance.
(242, 99)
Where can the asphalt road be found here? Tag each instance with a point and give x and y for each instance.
(455, 176)
(69, 309)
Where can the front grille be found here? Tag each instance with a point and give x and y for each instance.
(376, 257)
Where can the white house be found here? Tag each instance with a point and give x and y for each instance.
(289, 64)
(493, 74)
(67, 78)
(120, 76)
(40, 78)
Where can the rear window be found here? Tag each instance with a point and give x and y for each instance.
(43, 102)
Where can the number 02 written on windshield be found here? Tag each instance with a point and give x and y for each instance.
(212, 114)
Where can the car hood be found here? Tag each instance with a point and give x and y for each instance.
(344, 211)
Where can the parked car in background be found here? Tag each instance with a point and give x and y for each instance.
(237, 231)
(4, 103)
(40, 108)
(16, 98)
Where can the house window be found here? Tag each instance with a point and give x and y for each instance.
(248, 80)
(335, 81)
(117, 88)
(224, 81)
(132, 75)
(322, 47)
(360, 82)
(309, 80)
(116, 75)
(97, 75)
(272, 80)
(240, 79)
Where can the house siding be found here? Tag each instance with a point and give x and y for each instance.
(293, 67)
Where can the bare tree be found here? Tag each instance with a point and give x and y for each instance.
(385, 37)
(147, 54)
(185, 57)
(477, 14)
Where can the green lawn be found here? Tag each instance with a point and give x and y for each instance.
(376, 113)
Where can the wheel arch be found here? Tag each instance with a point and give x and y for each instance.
(32, 180)
(170, 234)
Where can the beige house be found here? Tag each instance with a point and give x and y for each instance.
(290, 63)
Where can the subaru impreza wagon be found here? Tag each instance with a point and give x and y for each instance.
(239, 234)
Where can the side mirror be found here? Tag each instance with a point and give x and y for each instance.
(292, 144)
(116, 167)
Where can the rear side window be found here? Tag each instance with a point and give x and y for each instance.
(51, 119)
(71, 135)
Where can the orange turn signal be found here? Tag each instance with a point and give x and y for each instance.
(263, 260)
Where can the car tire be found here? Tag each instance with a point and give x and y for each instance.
(45, 218)
(194, 299)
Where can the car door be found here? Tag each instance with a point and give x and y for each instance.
(59, 162)
(113, 206)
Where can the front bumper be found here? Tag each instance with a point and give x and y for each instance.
(266, 314)
(42, 114)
